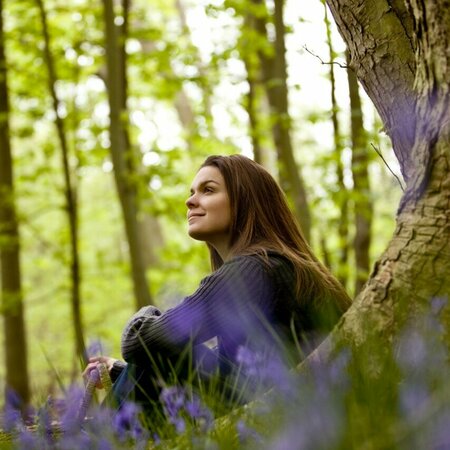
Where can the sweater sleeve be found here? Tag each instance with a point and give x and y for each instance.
(116, 370)
(226, 304)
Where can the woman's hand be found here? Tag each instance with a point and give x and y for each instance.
(93, 363)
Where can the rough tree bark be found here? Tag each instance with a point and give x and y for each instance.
(363, 208)
(70, 193)
(11, 288)
(121, 156)
(399, 52)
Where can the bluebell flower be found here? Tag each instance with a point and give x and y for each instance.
(264, 370)
(179, 406)
(420, 351)
(104, 444)
(179, 423)
(78, 440)
(413, 397)
(199, 413)
(173, 399)
(440, 431)
(156, 439)
(95, 348)
(26, 440)
(12, 416)
(70, 422)
(437, 304)
(246, 433)
(126, 422)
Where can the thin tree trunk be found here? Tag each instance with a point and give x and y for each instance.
(122, 34)
(182, 103)
(363, 209)
(121, 156)
(249, 46)
(274, 73)
(69, 191)
(11, 289)
(341, 197)
(252, 111)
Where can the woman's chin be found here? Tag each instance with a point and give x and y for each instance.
(195, 234)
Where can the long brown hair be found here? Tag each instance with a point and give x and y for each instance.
(261, 221)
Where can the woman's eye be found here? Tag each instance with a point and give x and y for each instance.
(208, 189)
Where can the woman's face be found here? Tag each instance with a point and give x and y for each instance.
(209, 212)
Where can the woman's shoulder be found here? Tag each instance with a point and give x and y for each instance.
(243, 269)
(268, 260)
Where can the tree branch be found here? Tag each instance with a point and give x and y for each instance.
(342, 66)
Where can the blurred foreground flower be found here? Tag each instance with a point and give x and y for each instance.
(181, 406)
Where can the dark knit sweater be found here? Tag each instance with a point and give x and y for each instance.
(249, 301)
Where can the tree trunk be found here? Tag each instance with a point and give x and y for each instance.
(121, 156)
(252, 111)
(248, 48)
(69, 191)
(341, 196)
(363, 209)
(409, 83)
(274, 72)
(182, 102)
(11, 290)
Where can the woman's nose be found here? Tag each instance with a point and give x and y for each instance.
(190, 202)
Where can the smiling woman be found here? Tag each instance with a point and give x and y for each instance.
(209, 214)
(268, 295)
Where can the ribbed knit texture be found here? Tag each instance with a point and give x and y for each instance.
(245, 302)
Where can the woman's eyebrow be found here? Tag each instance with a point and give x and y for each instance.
(203, 183)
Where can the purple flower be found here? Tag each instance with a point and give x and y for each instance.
(70, 419)
(12, 416)
(179, 406)
(44, 422)
(246, 433)
(95, 348)
(156, 439)
(413, 397)
(440, 431)
(27, 440)
(199, 413)
(126, 422)
(104, 444)
(264, 370)
(81, 440)
(251, 362)
(173, 399)
(179, 423)
(438, 304)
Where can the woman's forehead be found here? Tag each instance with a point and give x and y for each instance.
(208, 174)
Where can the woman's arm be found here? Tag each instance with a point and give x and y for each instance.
(223, 305)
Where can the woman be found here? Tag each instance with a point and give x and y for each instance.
(267, 291)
